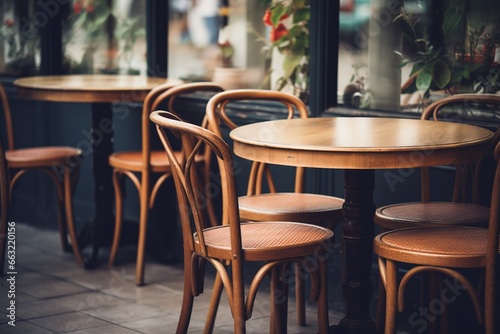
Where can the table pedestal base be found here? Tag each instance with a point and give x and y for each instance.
(358, 233)
(102, 225)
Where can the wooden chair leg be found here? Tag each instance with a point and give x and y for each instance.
(391, 298)
(278, 301)
(491, 300)
(380, 312)
(214, 305)
(187, 299)
(141, 245)
(323, 323)
(444, 323)
(62, 222)
(61, 208)
(68, 199)
(300, 297)
(434, 326)
(118, 216)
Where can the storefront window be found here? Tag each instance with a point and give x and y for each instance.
(402, 55)
(103, 36)
(19, 43)
(217, 40)
(370, 41)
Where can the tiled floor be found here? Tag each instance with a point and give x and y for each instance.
(53, 295)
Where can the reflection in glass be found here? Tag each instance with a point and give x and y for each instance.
(104, 36)
(19, 47)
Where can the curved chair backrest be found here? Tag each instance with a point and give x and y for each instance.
(464, 106)
(186, 178)
(147, 108)
(8, 118)
(169, 93)
(219, 112)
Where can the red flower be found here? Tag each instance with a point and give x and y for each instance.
(77, 7)
(277, 33)
(9, 22)
(267, 18)
(90, 7)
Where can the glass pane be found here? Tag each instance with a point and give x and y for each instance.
(205, 46)
(396, 56)
(102, 36)
(193, 37)
(19, 47)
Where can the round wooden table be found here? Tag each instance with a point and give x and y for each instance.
(101, 91)
(360, 146)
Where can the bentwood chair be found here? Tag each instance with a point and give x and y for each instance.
(460, 211)
(61, 164)
(259, 205)
(446, 250)
(140, 166)
(231, 244)
(4, 204)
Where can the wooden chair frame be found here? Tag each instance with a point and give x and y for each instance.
(473, 247)
(61, 164)
(259, 205)
(226, 246)
(139, 166)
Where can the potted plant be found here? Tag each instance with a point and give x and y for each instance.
(289, 38)
(129, 31)
(90, 17)
(463, 61)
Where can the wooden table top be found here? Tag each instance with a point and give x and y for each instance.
(360, 142)
(89, 87)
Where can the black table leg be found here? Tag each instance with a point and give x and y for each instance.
(358, 233)
(100, 229)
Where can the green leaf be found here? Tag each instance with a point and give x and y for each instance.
(403, 63)
(454, 16)
(417, 67)
(295, 30)
(281, 83)
(424, 80)
(277, 12)
(302, 14)
(290, 62)
(399, 54)
(441, 74)
(298, 3)
(412, 88)
(300, 45)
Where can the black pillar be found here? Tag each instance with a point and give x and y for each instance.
(323, 71)
(157, 37)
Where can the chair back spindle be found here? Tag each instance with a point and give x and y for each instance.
(467, 174)
(189, 187)
(219, 111)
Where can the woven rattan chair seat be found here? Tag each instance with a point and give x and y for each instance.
(133, 160)
(289, 207)
(41, 156)
(259, 239)
(442, 213)
(437, 246)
